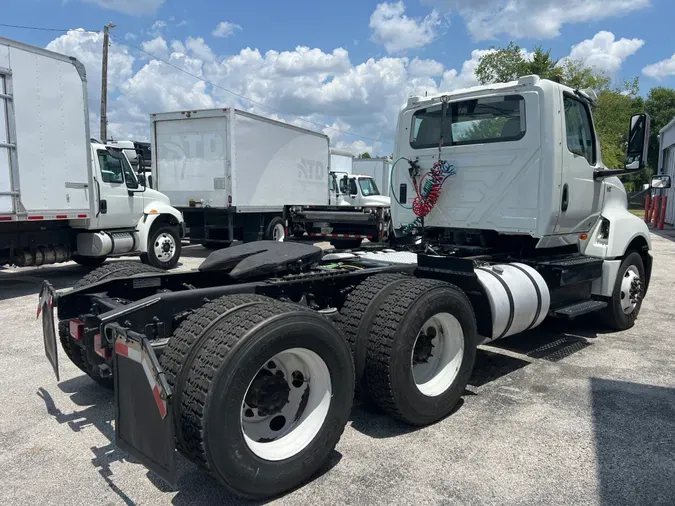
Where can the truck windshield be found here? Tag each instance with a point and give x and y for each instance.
(368, 186)
(478, 121)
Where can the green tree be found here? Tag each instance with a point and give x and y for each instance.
(365, 155)
(660, 105)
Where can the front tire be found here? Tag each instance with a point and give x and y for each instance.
(626, 301)
(268, 395)
(164, 248)
(276, 230)
(421, 351)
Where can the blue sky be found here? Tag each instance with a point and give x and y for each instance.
(346, 66)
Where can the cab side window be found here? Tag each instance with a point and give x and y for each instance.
(111, 168)
(353, 190)
(579, 129)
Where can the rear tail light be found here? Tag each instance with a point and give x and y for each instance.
(77, 329)
(100, 347)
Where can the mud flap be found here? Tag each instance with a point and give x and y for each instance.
(46, 304)
(143, 423)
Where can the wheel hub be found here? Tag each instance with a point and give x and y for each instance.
(269, 393)
(424, 347)
(632, 290)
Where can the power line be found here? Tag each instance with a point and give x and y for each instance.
(243, 97)
(180, 69)
(22, 27)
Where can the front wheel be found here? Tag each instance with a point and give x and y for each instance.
(276, 231)
(626, 301)
(164, 248)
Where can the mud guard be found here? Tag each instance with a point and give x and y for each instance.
(143, 423)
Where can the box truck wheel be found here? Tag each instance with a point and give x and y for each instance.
(357, 316)
(276, 230)
(268, 396)
(88, 261)
(421, 351)
(626, 301)
(164, 247)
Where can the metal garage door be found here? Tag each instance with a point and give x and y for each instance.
(669, 168)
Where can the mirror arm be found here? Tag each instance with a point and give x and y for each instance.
(601, 174)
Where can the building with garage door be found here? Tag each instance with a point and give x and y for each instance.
(667, 165)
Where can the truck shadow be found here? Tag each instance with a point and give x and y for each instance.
(553, 341)
(22, 282)
(98, 411)
(633, 427)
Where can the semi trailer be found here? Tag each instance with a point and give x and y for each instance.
(63, 195)
(241, 177)
(248, 364)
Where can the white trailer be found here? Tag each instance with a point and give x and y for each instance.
(238, 176)
(341, 161)
(377, 168)
(64, 196)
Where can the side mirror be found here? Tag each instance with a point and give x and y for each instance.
(638, 141)
(661, 182)
(141, 180)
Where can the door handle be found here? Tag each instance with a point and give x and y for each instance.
(565, 198)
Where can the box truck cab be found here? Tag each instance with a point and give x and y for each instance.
(63, 195)
(357, 190)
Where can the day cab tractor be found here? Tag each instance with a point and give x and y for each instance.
(248, 365)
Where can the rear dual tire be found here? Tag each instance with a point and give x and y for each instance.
(265, 392)
(414, 343)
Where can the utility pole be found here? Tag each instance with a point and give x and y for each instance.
(104, 82)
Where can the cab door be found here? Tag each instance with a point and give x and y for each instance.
(119, 206)
(580, 195)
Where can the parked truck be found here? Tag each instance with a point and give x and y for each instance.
(241, 177)
(377, 168)
(248, 365)
(139, 155)
(63, 195)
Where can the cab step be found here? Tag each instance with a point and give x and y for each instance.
(578, 309)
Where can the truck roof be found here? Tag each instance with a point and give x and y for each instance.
(524, 82)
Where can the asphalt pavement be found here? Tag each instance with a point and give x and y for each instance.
(565, 414)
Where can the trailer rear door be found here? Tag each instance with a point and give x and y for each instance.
(190, 157)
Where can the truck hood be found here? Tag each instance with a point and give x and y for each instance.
(154, 196)
(377, 200)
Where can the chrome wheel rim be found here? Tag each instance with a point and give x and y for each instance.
(164, 247)
(631, 290)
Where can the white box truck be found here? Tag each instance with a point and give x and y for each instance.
(237, 176)
(377, 168)
(63, 195)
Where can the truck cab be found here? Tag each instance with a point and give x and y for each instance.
(520, 159)
(356, 190)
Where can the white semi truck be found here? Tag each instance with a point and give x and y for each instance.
(63, 195)
(514, 219)
(241, 177)
(377, 168)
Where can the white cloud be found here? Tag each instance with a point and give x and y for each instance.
(133, 7)
(182, 23)
(156, 47)
(487, 19)
(158, 25)
(397, 32)
(661, 69)
(604, 52)
(466, 78)
(225, 29)
(325, 88)
(199, 49)
(419, 68)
